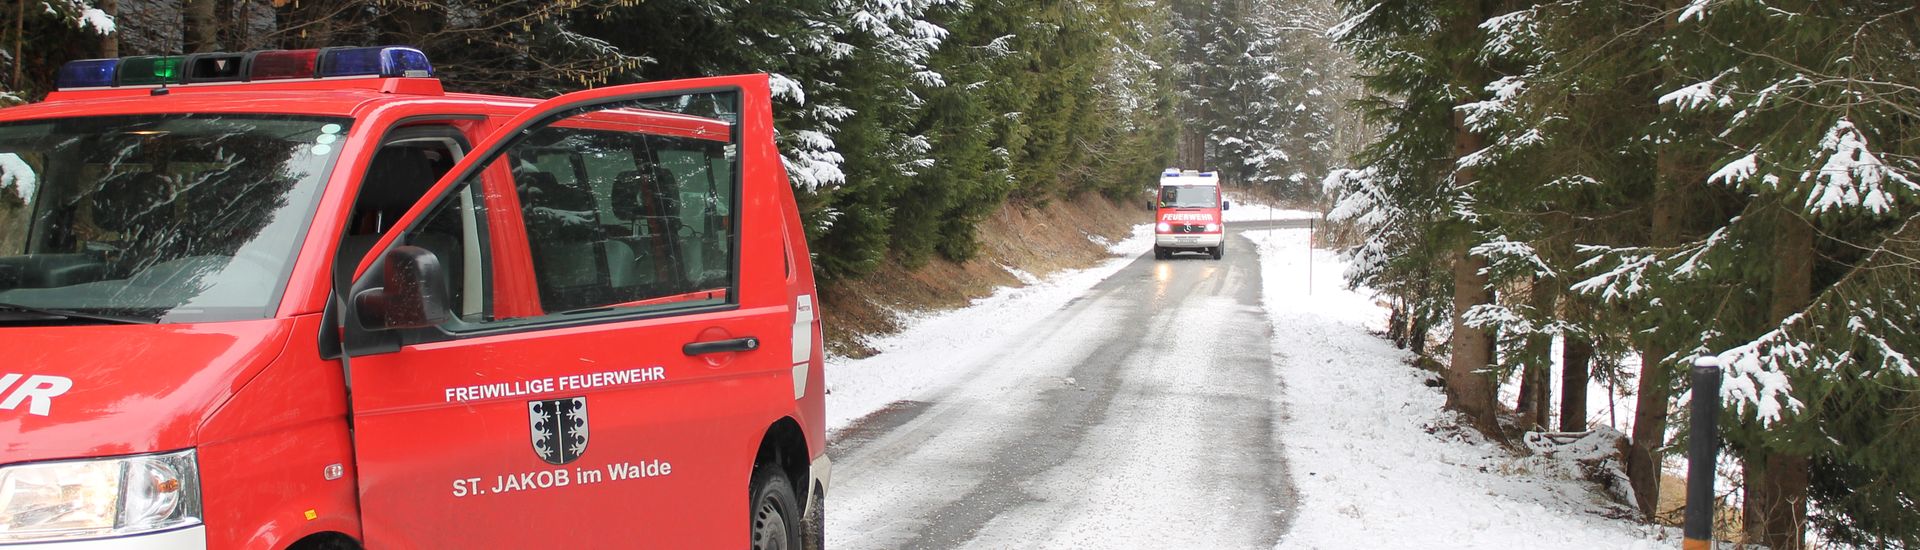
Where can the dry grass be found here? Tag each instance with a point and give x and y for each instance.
(1672, 510)
(1039, 240)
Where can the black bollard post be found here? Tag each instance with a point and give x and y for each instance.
(1703, 454)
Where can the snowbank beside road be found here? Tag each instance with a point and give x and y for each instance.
(1242, 212)
(914, 361)
(1375, 464)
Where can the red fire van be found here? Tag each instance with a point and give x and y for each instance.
(1187, 214)
(306, 299)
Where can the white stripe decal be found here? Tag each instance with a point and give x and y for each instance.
(799, 381)
(802, 342)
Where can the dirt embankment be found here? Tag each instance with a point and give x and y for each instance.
(1036, 240)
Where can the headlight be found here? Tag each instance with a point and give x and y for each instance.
(1164, 227)
(98, 498)
(1212, 228)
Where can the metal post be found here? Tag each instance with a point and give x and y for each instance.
(1309, 256)
(1703, 454)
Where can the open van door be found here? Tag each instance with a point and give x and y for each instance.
(563, 344)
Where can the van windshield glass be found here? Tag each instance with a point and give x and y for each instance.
(166, 218)
(1188, 196)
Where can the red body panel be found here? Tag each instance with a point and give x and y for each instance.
(135, 389)
(268, 415)
(271, 446)
(702, 421)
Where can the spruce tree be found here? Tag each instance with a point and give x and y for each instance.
(1423, 63)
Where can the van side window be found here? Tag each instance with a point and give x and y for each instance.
(399, 175)
(626, 219)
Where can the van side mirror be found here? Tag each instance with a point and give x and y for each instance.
(1224, 205)
(1150, 204)
(414, 293)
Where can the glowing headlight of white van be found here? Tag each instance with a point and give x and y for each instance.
(99, 497)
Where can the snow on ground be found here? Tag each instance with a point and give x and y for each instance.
(1362, 445)
(1240, 210)
(859, 387)
(1367, 446)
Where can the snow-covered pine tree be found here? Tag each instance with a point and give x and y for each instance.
(1819, 100)
(40, 35)
(1809, 204)
(1577, 127)
(1422, 62)
(1251, 85)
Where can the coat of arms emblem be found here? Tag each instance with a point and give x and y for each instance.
(558, 428)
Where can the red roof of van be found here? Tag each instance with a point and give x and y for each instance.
(343, 98)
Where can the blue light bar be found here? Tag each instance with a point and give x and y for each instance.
(86, 73)
(386, 61)
(150, 71)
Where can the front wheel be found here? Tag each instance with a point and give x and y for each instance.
(1219, 251)
(1160, 253)
(774, 515)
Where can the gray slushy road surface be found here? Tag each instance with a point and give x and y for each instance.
(1139, 416)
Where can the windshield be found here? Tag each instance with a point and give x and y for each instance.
(1189, 196)
(168, 218)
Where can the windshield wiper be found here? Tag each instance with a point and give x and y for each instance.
(68, 314)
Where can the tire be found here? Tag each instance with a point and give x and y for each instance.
(1219, 251)
(1161, 253)
(773, 514)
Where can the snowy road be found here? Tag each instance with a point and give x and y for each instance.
(1140, 414)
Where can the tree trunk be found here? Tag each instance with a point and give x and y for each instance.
(1469, 384)
(1654, 396)
(201, 31)
(1193, 137)
(1575, 372)
(237, 20)
(1536, 400)
(19, 54)
(1417, 332)
(1470, 387)
(1193, 146)
(1776, 507)
(110, 42)
(1397, 325)
(1653, 399)
(1523, 408)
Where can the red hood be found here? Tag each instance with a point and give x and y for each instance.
(133, 388)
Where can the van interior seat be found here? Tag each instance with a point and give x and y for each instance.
(398, 177)
(648, 200)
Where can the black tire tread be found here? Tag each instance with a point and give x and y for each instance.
(770, 482)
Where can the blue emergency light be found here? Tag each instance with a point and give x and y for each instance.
(143, 71)
(87, 73)
(385, 61)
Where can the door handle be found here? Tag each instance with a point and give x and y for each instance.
(721, 346)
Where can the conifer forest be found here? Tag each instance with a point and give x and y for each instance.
(1571, 190)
